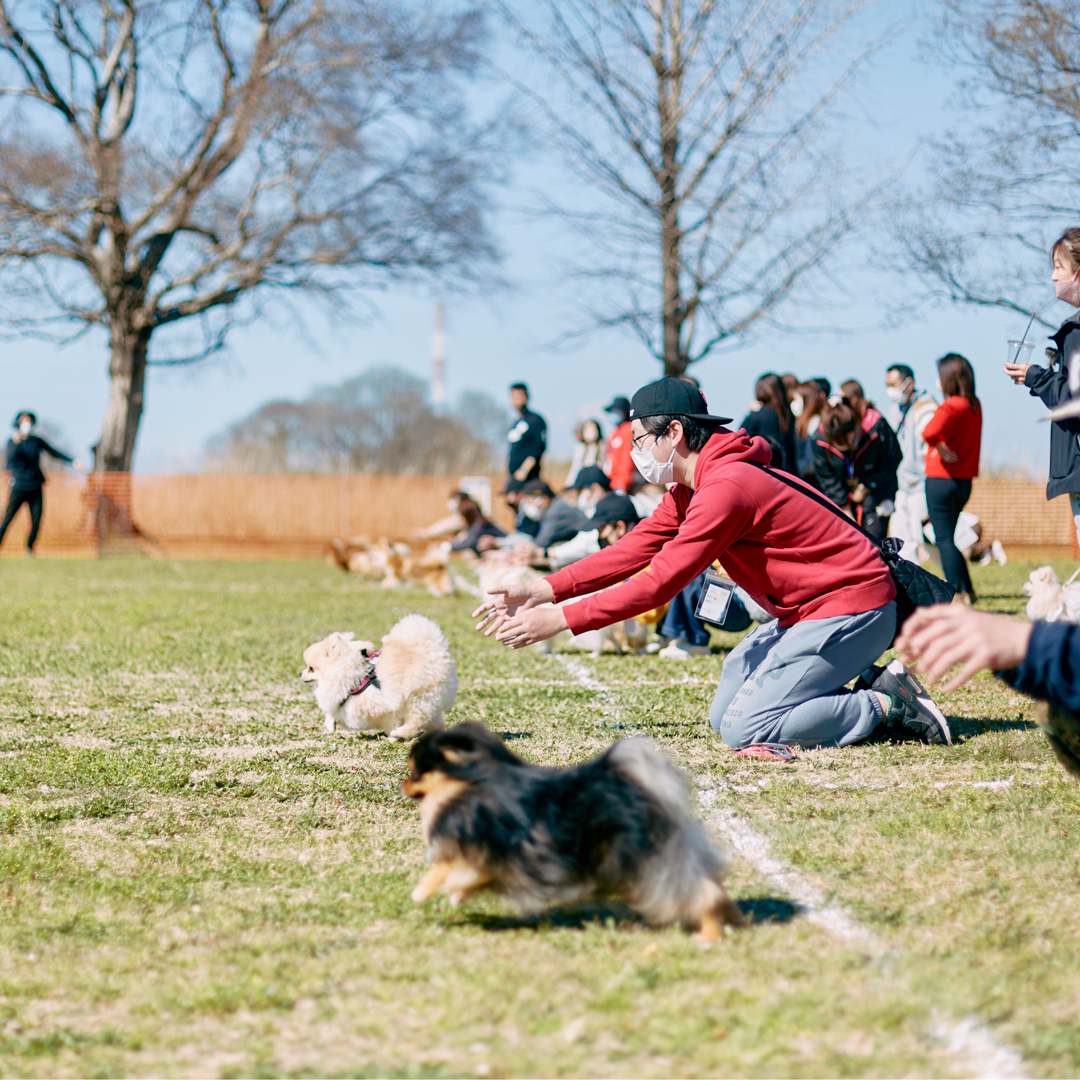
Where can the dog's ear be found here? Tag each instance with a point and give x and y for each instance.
(347, 635)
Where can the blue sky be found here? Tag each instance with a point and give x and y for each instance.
(499, 339)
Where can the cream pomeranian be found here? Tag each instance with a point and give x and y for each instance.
(1051, 601)
(403, 689)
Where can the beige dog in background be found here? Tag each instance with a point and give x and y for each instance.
(404, 689)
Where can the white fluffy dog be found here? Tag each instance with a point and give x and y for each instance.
(403, 689)
(1049, 600)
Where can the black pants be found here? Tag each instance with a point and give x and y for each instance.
(32, 498)
(944, 501)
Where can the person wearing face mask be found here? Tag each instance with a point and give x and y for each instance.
(856, 467)
(1059, 381)
(24, 450)
(588, 449)
(914, 409)
(825, 583)
(559, 519)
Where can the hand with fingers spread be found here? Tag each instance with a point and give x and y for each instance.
(510, 602)
(937, 639)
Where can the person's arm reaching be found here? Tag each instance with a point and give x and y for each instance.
(937, 639)
(717, 516)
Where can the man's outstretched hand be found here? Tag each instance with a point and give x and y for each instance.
(937, 639)
(515, 616)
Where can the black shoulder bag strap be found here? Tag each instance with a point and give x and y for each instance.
(915, 587)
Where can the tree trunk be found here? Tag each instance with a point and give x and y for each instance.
(668, 78)
(127, 373)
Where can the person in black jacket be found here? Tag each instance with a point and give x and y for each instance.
(774, 420)
(527, 437)
(1039, 659)
(24, 450)
(855, 465)
(1060, 379)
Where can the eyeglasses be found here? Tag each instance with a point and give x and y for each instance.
(636, 443)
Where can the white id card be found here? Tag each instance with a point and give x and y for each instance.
(715, 598)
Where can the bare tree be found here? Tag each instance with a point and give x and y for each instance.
(172, 163)
(701, 126)
(1008, 184)
(379, 422)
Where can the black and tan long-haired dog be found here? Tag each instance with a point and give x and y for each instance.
(614, 828)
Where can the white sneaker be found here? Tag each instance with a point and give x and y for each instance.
(998, 551)
(654, 646)
(681, 650)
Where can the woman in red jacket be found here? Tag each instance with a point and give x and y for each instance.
(953, 437)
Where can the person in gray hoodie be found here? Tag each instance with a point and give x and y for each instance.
(912, 411)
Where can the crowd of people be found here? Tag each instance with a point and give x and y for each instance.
(906, 470)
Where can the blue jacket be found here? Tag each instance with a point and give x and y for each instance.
(24, 461)
(1051, 669)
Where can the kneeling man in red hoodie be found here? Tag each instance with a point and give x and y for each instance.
(826, 583)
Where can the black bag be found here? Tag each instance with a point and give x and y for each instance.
(915, 587)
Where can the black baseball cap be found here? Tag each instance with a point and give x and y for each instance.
(618, 404)
(613, 508)
(537, 487)
(672, 397)
(590, 474)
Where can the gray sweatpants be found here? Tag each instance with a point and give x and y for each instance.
(787, 686)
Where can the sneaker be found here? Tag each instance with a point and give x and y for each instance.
(681, 650)
(866, 678)
(998, 551)
(911, 707)
(654, 646)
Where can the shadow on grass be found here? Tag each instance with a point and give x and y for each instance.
(763, 910)
(965, 725)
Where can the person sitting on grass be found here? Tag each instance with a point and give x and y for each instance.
(826, 583)
(1039, 659)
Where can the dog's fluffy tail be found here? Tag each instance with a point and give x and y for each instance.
(681, 882)
(413, 627)
(640, 761)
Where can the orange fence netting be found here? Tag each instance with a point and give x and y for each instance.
(293, 516)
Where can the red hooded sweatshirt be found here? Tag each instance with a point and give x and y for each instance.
(797, 559)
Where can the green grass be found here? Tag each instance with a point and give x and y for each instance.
(196, 880)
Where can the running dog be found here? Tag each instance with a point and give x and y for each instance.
(403, 689)
(615, 828)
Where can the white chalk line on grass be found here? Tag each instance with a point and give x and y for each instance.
(973, 1048)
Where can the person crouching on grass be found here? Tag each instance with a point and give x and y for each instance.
(826, 583)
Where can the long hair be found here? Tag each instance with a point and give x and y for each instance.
(957, 378)
(839, 422)
(814, 400)
(1068, 244)
(769, 390)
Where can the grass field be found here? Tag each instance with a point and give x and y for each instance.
(197, 880)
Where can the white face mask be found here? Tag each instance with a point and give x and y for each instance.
(797, 406)
(26, 427)
(532, 511)
(655, 472)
